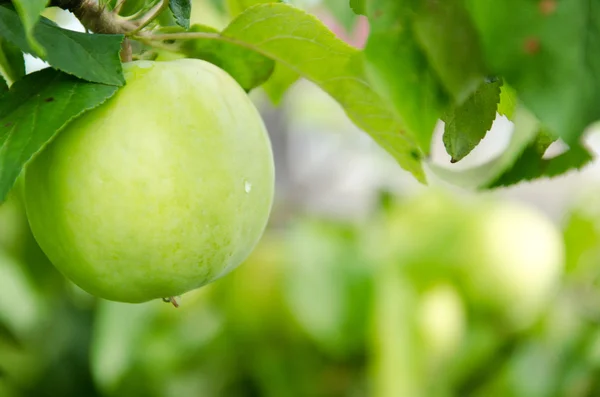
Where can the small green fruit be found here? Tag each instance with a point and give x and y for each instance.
(164, 188)
(516, 262)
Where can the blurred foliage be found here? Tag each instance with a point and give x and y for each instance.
(410, 303)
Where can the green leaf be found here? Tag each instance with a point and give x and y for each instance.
(359, 7)
(29, 11)
(279, 82)
(302, 43)
(531, 165)
(249, 68)
(236, 7)
(550, 55)
(449, 39)
(3, 87)
(34, 111)
(399, 70)
(467, 124)
(182, 10)
(12, 64)
(483, 176)
(543, 141)
(92, 57)
(508, 101)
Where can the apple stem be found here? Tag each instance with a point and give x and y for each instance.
(172, 300)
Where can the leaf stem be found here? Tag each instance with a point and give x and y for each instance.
(118, 7)
(150, 16)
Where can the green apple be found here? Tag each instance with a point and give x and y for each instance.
(162, 189)
(516, 261)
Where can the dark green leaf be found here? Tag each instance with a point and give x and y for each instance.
(279, 82)
(12, 64)
(531, 165)
(399, 70)
(181, 9)
(92, 57)
(3, 87)
(302, 43)
(450, 42)
(29, 11)
(481, 177)
(249, 68)
(549, 54)
(467, 124)
(543, 141)
(34, 110)
(359, 7)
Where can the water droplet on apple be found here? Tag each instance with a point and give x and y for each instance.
(247, 186)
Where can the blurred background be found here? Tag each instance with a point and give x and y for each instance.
(365, 283)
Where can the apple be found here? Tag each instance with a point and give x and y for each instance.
(516, 262)
(162, 189)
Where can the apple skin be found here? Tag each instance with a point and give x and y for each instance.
(164, 188)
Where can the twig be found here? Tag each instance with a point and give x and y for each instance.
(118, 7)
(150, 16)
(95, 17)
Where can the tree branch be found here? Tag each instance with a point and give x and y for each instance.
(95, 17)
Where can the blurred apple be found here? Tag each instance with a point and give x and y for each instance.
(515, 259)
(422, 234)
